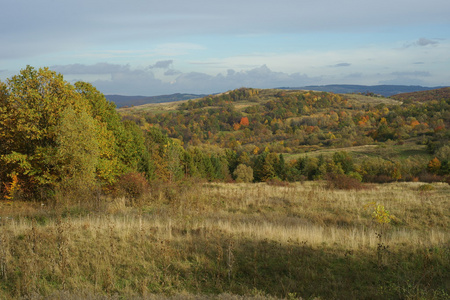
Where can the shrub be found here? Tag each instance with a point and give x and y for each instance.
(427, 177)
(342, 182)
(356, 176)
(132, 186)
(426, 187)
(378, 178)
(277, 182)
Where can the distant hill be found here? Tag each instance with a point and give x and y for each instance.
(123, 101)
(424, 96)
(383, 90)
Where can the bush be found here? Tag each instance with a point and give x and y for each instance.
(427, 177)
(356, 176)
(426, 187)
(277, 182)
(132, 186)
(342, 182)
(378, 178)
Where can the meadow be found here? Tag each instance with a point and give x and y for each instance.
(199, 240)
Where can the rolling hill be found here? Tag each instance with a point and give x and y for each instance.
(123, 101)
(383, 90)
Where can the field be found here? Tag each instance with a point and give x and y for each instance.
(360, 153)
(232, 241)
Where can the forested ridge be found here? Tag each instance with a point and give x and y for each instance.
(57, 137)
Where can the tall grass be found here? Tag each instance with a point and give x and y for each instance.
(253, 240)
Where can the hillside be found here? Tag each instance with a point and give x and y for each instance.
(375, 90)
(424, 96)
(383, 90)
(252, 123)
(127, 101)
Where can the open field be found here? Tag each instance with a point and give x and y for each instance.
(228, 241)
(154, 107)
(363, 99)
(359, 153)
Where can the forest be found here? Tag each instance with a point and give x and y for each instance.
(248, 194)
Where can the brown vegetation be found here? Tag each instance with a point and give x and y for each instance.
(299, 240)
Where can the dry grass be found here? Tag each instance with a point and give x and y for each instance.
(244, 239)
(154, 107)
(362, 99)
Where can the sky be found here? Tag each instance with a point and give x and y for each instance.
(148, 47)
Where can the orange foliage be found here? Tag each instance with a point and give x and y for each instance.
(434, 165)
(244, 121)
(415, 123)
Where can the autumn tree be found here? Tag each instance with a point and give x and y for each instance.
(244, 121)
(36, 109)
(434, 165)
(54, 135)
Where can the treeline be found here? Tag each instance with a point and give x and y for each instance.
(58, 138)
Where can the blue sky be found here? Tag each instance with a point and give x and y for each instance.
(146, 47)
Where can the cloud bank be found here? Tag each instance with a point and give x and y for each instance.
(125, 80)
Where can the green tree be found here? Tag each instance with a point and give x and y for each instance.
(243, 173)
(345, 160)
(76, 154)
(122, 153)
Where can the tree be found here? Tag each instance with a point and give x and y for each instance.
(120, 155)
(53, 134)
(244, 121)
(243, 173)
(76, 154)
(34, 106)
(434, 165)
(345, 160)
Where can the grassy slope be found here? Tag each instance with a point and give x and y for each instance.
(359, 153)
(255, 240)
